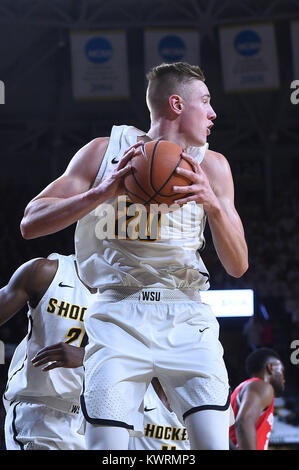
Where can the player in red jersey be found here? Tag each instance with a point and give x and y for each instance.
(253, 401)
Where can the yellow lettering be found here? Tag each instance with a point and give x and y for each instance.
(52, 305)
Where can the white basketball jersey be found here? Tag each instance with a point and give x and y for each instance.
(162, 429)
(58, 317)
(116, 246)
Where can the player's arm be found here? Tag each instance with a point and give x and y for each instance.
(255, 397)
(25, 285)
(71, 196)
(232, 446)
(212, 186)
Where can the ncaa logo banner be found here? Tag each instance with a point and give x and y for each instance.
(99, 65)
(171, 45)
(249, 57)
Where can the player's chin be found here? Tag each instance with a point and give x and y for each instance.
(199, 141)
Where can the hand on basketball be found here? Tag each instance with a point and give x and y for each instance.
(199, 190)
(113, 184)
(59, 355)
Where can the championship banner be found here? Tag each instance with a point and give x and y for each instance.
(249, 57)
(295, 45)
(171, 45)
(99, 65)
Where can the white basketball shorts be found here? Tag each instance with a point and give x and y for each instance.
(32, 426)
(136, 335)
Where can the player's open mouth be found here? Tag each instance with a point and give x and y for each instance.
(209, 129)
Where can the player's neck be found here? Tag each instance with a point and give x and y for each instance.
(167, 130)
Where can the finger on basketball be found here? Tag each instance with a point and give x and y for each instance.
(191, 160)
(129, 153)
(123, 171)
(182, 189)
(189, 174)
(184, 200)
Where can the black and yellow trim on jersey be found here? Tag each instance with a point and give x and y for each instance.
(99, 421)
(29, 334)
(209, 407)
(14, 428)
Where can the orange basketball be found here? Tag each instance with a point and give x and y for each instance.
(153, 174)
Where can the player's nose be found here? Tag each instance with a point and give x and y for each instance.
(211, 114)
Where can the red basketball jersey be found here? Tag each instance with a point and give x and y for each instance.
(263, 425)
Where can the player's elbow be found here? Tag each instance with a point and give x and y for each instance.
(239, 271)
(25, 229)
(26, 226)
(28, 222)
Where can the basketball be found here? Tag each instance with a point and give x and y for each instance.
(153, 174)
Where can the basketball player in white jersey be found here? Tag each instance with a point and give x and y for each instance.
(162, 429)
(44, 383)
(148, 319)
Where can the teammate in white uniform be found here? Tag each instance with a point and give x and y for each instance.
(162, 429)
(148, 319)
(44, 384)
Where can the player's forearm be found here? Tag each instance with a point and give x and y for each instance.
(49, 215)
(229, 242)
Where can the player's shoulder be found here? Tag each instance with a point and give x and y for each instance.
(216, 166)
(46, 265)
(41, 269)
(99, 141)
(87, 160)
(38, 277)
(260, 387)
(97, 144)
(93, 150)
(34, 275)
(215, 158)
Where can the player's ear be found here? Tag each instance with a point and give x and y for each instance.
(176, 104)
(270, 367)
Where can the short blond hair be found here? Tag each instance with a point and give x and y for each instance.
(167, 79)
